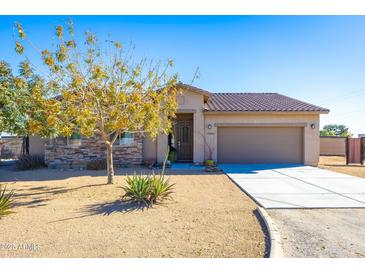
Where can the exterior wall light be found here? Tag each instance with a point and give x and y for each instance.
(313, 126)
(210, 126)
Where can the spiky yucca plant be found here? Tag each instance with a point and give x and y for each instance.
(6, 201)
(160, 188)
(138, 189)
(148, 189)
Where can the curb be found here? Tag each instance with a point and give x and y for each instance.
(276, 245)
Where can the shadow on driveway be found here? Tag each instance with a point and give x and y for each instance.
(253, 168)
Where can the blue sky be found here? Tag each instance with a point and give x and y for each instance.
(318, 59)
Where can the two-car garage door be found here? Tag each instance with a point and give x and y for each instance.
(253, 145)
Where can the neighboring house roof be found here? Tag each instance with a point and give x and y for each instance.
(256, 102)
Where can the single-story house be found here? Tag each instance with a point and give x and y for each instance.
(227, 127)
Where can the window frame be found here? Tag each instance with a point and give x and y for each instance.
(122, 140)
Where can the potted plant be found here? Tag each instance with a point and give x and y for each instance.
(209, 162)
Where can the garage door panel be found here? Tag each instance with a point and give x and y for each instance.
(260, 145)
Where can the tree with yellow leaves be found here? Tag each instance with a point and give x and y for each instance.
(99, 89)
(23, 103)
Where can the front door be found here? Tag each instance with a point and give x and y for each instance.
(184, 137)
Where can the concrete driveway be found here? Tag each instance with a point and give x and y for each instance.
(319, 213)
(321, 233)
(297, 186)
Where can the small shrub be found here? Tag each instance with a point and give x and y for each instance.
(30, 162)
(99, 164)
(6, 201)
(138, 189)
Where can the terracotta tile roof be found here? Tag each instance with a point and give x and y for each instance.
(258, 102)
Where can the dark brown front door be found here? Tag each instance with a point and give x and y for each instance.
(184, 137)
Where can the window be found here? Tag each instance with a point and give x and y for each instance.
(74, 139)
(126, 138)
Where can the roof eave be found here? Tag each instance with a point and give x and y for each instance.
(204, 93)
(264, 112)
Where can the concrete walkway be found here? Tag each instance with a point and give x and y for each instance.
(297, 186)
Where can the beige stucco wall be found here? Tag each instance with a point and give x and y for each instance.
(333, 146)
(149, 148)
(36, 145)
(310, 138)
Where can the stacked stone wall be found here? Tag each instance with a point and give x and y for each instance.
(64, 153)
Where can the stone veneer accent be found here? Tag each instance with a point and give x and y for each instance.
(10, 147)
(77, 153)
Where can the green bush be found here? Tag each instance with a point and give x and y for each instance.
(147, 189)
(6, 201)
(30, 162)
(99, 164)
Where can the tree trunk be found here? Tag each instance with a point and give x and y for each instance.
(109, 162)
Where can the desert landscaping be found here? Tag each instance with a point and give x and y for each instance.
(76, 214)
(338, 164)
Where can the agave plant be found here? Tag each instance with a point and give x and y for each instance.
(148, 189)
(160, 188)
(6, 201)
(138, 189)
